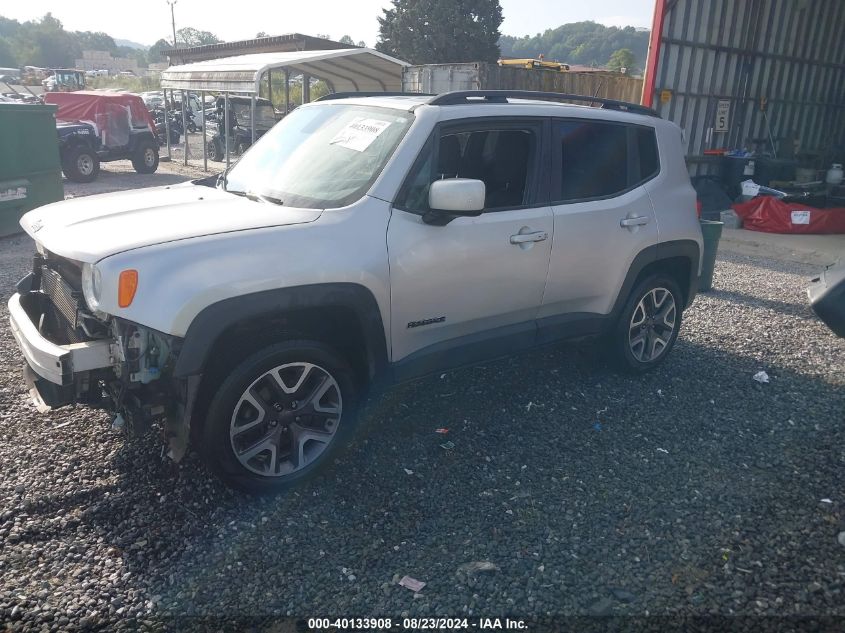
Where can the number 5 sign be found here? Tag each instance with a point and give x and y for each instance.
(723, 111)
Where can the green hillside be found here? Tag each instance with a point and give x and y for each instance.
(586, 43)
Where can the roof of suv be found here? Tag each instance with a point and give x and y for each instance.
(400, 102)
(410, 101)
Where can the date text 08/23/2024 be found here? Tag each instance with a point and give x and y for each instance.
(417, 623)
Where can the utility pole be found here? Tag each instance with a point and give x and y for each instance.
(173, 19)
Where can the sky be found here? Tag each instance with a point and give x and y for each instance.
(148, 21)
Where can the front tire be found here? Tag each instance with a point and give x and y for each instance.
(81, 164)
(280, 416)
(648, 325)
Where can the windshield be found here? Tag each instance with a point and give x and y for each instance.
(321, 156)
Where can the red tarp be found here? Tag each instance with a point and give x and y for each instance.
(112, 113)
(772, 215)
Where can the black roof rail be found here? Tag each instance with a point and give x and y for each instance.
(502, 96)
(350, 95)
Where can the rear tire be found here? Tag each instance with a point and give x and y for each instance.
(80, 164)
(648, 325)
(279, 416)
(145, 160)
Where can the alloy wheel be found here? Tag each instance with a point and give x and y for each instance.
(652, 325)
(149, 157)
(285, 419)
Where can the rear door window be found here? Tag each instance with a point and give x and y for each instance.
(600, 159)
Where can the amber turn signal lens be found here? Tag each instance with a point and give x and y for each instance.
(126, 287)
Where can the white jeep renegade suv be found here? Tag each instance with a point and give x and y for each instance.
(361, 242)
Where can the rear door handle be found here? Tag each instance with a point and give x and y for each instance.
(637, 221)
(522, 238)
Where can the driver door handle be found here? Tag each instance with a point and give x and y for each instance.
(637, 221)
(522, 238)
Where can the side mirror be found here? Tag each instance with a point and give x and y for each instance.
(457, 196)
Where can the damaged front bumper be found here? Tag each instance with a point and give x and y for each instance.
(126, 370)
(51, 369)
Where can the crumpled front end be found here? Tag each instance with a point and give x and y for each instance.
(74, 355)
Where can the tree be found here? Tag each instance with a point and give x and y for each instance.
(362, 44)
(347, 40)
(139, 55)
(90, 40)
(441, 31)
(7, 54)
(261, 34)
(45, 43)
(154, 54)
(622, 60)
(190, 36)
(8, 27)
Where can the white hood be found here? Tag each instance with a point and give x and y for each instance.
(90, 228)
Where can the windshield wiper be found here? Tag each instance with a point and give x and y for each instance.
(260, 197)
(257, 197)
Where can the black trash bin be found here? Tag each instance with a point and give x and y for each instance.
(735, 169)
(711, 231)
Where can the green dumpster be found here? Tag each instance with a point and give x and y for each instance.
(711, 231)
(30, 174)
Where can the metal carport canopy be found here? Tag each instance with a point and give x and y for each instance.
(345, 70)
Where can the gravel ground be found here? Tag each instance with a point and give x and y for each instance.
(691, 491)
(119, 176)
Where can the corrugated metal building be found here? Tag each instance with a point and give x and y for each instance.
(733, 73)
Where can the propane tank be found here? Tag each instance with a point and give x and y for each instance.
(835, 174)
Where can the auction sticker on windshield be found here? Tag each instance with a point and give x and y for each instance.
(360, 133)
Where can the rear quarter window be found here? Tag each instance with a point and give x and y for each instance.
(647, 150)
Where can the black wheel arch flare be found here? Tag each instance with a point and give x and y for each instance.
(653, 256)
(214, 320)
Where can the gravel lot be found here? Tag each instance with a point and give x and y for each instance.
(694, 490)
(119, 175)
